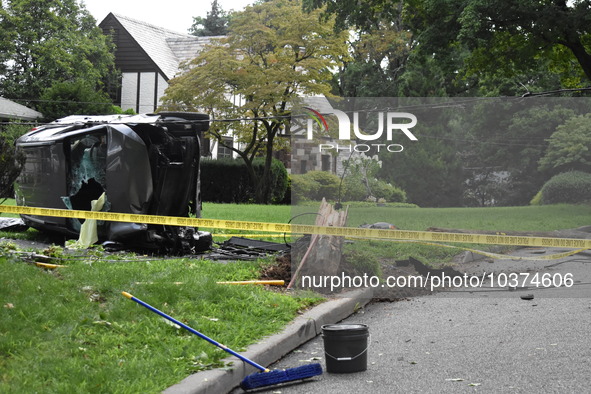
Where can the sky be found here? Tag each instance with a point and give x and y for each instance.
(175, 15)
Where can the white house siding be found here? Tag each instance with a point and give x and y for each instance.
(162, 85)
(151, 89)
(147, 92)
(129, 91)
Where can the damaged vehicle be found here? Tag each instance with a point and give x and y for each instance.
(144, 164)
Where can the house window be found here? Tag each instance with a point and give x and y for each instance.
(303, 166)
(223, 151)
(325, 162)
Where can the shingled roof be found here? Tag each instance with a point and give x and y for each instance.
(167, 48)
(11, 110)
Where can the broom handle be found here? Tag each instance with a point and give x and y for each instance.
(200, 335)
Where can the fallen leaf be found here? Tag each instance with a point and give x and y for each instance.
(9, 305)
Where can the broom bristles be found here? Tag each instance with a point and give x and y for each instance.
(278, 376)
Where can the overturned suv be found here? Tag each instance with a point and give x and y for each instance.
(144, 164)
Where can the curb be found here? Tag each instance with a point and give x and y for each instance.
(271, 349)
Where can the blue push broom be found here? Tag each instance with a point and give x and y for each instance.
(264, 378)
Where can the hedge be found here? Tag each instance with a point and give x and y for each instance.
(227, 180)
(567, 187)
(315, 185)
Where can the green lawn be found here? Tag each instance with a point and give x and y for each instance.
(70, 330)
(526, 218)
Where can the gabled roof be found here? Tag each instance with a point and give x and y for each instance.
(166, 48)
(11, 110)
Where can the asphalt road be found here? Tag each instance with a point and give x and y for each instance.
(487, 340)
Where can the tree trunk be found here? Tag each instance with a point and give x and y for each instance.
(322, 257)
(264, 186)
(583, 57)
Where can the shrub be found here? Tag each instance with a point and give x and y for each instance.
(227, 180)
(328, 185)
(537, 200)
(381, 189)
(279, 180)
(567, 187)
(354, 189)
(302, 188)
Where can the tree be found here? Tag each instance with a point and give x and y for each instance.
(73, 97)
(273, 53)
(11, 160)
(481, 47)
(509, 37)
(214, 24)
(569, 146)
(48, 41)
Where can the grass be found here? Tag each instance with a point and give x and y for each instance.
(246, 212)
(527, 218)
(70, 330)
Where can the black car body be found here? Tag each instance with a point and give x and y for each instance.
(145, 164)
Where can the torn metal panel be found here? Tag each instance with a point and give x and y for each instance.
(128, 171)
(255, 244)
(12, 224)
(239, 248)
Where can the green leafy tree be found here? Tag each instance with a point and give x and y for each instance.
(73, 98)
(214, 24)
(47, 41)
(569, 146)
(273, 53)
(512, 38)
(11, 160)
(478, 47)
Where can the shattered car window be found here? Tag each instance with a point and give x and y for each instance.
(144, 164)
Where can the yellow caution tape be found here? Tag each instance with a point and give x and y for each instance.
(251, 235)
(499, 256)
(402, 235)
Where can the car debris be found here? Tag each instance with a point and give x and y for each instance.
(13, 224)
(380, 226)
(144, 164)
(240, 248)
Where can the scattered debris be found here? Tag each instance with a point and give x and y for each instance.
(13, 224)
(425, 270)
(280, 269)
(239, 248)
(380, 226)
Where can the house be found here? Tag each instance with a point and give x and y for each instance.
(148, 57)
(10, 110)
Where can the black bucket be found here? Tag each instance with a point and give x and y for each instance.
(345, 347)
